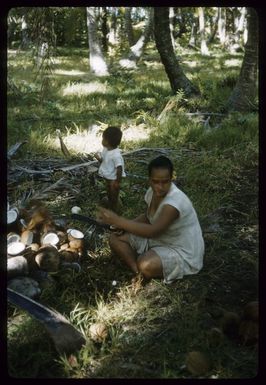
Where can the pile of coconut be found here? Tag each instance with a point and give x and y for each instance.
(38, 245)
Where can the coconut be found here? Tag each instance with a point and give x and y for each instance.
(17, 266)
(98, 332)
(48, 258)
(197, 363)
(75, 234)
(15, 248)
(12, 237)
(76, 244)
(251, 311)
(69, 255)
(230, 324)
(27, 237)
(215, 337)
(12, 216)
(30, 257)
(76, 210)
(64, 246)
(50, 239)
(26, 286)
(62, 237)
(249, 332)
(34, 246)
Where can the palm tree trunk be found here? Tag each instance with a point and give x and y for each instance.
(245, 91)
(98, 65)
(177, 78)
(203, 45)
(128, 26)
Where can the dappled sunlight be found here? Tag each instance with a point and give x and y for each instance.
(153, 64)
(81, 89)
(191, 64)
(232, 63)
(89, 140)
(69, 73)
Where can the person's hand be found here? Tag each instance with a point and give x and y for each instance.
(106, 216)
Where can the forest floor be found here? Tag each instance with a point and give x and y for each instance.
(151, 331)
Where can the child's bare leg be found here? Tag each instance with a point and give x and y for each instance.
(112, 193)
(121, 247)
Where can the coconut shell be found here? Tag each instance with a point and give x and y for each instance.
(62, 237)
(76, 244)
(17, 266)
(64, 246)
(48, 227)
(27, 237)
(249, 332)
(251, 311)
(69, 255)
(34, 246)
(98, 332)
(230, 324)
(48, 258)
(197, 363)
(215, 337)
(30, 257)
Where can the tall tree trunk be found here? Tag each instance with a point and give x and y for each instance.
(214, 27)
(240, 23)
(137, 49)
(113, 40)
(203, 45)
(97, 63)
(245, 91)
(172, 24)
(177, 78)
(221, 26)
(104, 29)
(128, 26)
(192, 39)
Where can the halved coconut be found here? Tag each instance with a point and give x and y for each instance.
(12, 237)
(17, 266)
(50, 239)
(12, 216)
(76, 234)
(27, 237)
(15, 248)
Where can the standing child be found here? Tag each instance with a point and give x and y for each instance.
(112, 164)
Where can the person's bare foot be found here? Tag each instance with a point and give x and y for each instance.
(137, 283)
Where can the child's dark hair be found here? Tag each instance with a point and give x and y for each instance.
(161, 162)
(113, 135)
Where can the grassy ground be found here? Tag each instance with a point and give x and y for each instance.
(149, 332)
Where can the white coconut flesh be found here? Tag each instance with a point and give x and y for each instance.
(13, 238)
(12, 216)
(76, 234)
(15, 248)
(51, 239)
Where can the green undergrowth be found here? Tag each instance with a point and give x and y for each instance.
(216, 164)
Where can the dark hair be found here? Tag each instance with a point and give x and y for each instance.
(161, 162)
(113, 135)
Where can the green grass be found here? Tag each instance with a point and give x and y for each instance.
(151, 332)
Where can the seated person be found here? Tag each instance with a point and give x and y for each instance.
(165, 242)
